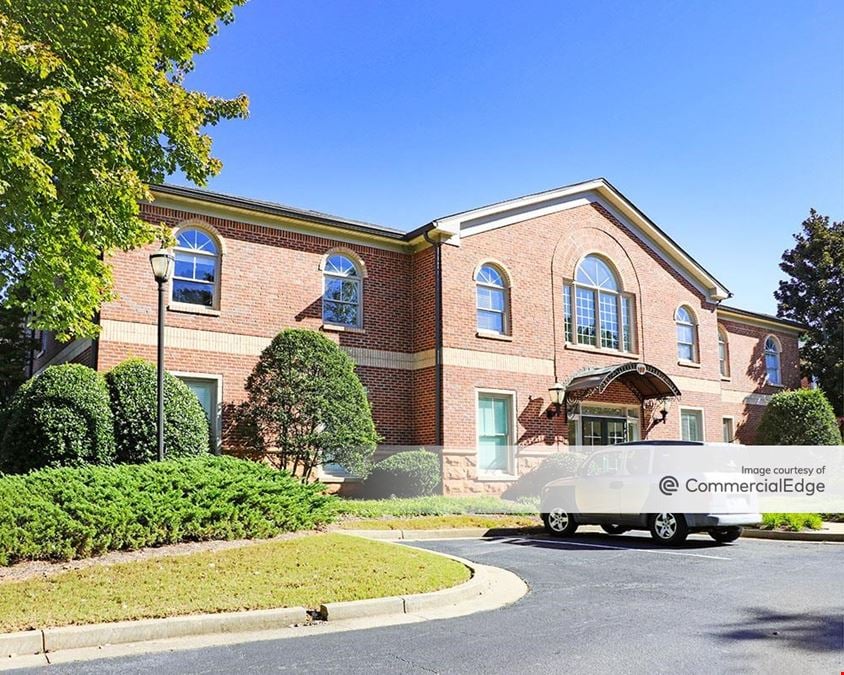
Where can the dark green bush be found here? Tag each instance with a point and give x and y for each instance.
(800, 417)
(60, 418)
(558, 465)
(61, 514)
(133, 389)
(415, 473)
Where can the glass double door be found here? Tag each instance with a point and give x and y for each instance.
(603, 430)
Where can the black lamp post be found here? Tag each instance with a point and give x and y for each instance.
(557, 394)
(162, 269)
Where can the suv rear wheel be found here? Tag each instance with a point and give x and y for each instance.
(559, 523)
(724, 535)
(669, 528)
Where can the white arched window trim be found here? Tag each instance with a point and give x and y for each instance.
(190, 255)
(686, 323)
(597, 311)
(772, 353)
(343, 273)
(492, 299)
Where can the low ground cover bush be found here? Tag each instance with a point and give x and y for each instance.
(60, 418)
(415, 473)
(558, 465)
(133, 392)
(792, 521)
(429, 506)
(61, 514)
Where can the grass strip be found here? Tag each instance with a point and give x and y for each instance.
(305, 572)
(441, 522)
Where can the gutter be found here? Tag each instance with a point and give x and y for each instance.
(438, 345)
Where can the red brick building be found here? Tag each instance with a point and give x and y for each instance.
(460, 327)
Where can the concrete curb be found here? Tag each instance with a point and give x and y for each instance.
(489, 587)
(782, 535)
(450, 533)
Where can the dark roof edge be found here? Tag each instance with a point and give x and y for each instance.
(764, 317)
(279, 210)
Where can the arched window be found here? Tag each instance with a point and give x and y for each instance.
(491, 304)
(772, 360)
(196, 274)
(686, 334)
(723, 353)
(342, 291)
(603, 315)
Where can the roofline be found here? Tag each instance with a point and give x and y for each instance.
(281, 210)
(762, 318)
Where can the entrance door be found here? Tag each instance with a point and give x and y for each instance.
(603, 430)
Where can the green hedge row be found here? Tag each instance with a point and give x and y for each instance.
(414, 473)
(66, 513)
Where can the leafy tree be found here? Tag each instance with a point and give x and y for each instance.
(801, 417)
(814, 295)
(307, 406)
(92, 107)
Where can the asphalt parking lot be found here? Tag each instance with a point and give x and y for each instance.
(597, 604)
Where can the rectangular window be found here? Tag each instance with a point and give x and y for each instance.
(206, 391)
(585, 306)
(728, 432)
(685, 342)
(608, 306)
(495, 433)
(567, 313)
(627, 323)
(491, 305)
(691, 425)
(722, 358)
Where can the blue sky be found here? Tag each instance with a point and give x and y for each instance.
(724, 122)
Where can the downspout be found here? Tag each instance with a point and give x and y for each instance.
(438, 347)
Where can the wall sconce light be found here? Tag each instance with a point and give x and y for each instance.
(663, 414)
(557, 394)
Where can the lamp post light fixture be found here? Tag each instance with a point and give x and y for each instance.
(663, 414)
(557, 394)
(162, 269)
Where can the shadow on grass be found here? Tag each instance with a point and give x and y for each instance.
(810, 632)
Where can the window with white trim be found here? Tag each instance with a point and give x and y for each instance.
(596, 311)
(195, 276)
(728, 432)
(772, 360)
(723, 353)
(686, 334)
(495, 433)
(341, 299)
(691, 424)
(491, 300)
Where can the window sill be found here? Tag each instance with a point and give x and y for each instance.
(487, 335)
(186, 308)
(726, 379)
(340, 328)
(601, 350)
(492, 477)
(768, 383)
(339, 479)
(688, 364)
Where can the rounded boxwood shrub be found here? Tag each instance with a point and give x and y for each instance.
(133, 390)
(415, 473)
(558, 465)
(60, 418)
(800, 417)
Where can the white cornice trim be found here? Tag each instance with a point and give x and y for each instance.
(760, 322)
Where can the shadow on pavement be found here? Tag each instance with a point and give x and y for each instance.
(597, 540)
(810, 632)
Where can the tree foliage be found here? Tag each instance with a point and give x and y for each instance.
(307, 406)
(801, 417)
(814, 295)
(92, 107)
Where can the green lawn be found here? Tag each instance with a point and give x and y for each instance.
(305, 571)
(431, 506)
(441, 522)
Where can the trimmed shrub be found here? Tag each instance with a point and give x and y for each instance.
(792, 521)
(800, 417)
(133, 387)
(415, 473)
(61, 514)
(60, 418)
(558, 465)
